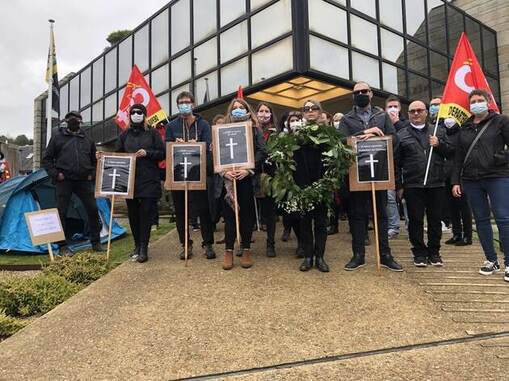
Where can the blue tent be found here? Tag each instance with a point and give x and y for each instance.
(23, 194)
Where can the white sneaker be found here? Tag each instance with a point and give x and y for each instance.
(489, 268)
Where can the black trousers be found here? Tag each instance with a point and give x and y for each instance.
(422, 201)
(268, 214)
(246, 216)
(84, 190)
(461, 214)
(314, 245)
(202, 211)
(141, 213)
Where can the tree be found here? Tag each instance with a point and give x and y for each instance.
(21, 140)
(117, 36)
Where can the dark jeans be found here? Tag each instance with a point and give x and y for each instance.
(314, 245)
(206, 226)
(461, 214)
(141, 213)
(497, 191)
(268, 214)
(358, 208)
(84, 190)
(427, 201)
(246, 216)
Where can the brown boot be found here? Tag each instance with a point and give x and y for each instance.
(246, 261)
(228, 260)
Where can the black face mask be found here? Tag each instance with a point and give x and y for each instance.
(361, 100)
(73, 124)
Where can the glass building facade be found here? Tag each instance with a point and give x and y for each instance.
(280, 51)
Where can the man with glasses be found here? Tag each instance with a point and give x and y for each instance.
(415, 143)
(191, 127)
(366, 121)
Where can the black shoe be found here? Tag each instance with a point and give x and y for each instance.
(299, 253)
(454, 240)
(435, 260)
(96, 246)
(196, 227)
(356, 262)
(489, 268)
(332, 230)
(182, 255)
(143, 255)
(321, 265)
(286, 235)
(465, 241)
(271, 252)
(135, 252)
(388, 262)
(420, 261)
(209, 252)
(306, 264)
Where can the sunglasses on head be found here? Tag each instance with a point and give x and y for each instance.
(310, 108)
(364, 91)
(137, 112)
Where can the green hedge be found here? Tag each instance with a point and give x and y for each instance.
(81, 269)
(9, 325)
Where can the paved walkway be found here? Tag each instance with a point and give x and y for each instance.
(162, 321)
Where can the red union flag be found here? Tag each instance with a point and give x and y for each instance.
(138, 91)
(465, 75)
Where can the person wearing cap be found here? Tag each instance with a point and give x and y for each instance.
(148, 146)
(70, 160)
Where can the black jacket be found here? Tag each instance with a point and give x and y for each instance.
(352, 125)
(147, 182)
(452, 135)
(489, 157)
(401, 123)
(412, 158)
(72, 154)
(308, 165)
(199, 131)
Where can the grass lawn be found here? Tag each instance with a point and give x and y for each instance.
(119, 249)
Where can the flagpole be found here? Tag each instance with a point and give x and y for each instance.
(49, 104)
(431, 150)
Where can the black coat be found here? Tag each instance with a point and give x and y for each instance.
(308, 165)
(72, 154)
(489, 158)
(452, 135)
(147, 181)
(352, 124)
(412, 158)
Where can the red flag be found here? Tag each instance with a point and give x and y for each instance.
(138, 91)
(465, 75)
(240, 93)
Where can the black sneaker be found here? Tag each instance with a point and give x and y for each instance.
(435, 260)
(420, 261)
(271, 251)
(182, 255)
(356, 262)
(464, 242)
(489, 268)
(388, 262)
(454, 240)
(299, 253)
(209, 252)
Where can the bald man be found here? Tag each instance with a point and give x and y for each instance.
(412, 157)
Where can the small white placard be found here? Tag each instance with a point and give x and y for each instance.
(44, 226)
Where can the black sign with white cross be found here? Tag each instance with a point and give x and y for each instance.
(232, 146)
(186, 163)
(373, 161)
(115, 175)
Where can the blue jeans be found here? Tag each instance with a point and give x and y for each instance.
(486, 196)
(392, 212)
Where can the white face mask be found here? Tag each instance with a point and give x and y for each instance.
(336, 124)
(393, 110)
(137, 118)
(295, 125)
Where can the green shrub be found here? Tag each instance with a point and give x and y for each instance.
(31, 296)
(9, 325)
(81, 268)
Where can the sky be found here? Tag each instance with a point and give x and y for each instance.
(81, 28)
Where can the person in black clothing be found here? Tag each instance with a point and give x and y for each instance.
(191, 127)
(366, 121)
(70, 160)
(415, 143)
(148, 146)
(308, 169)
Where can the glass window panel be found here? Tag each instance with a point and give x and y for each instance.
(454, 27)
(234, 42)
(141, 48)
(365, 69)
(263, 27)
(110, 105)
(391, 14)
(110, 81)
(64, 101)
(436, 25)
(365, 6)
(125, 60)
(86, 85)
(201, 84)
(97, 79)
(159, 38)
(273, 60)
(160, 79)
(97, 112)
(234, 75)
(74, 96)
(415, 19)
(417, 57)
(164, 101)
(174, 94)
(473, 30)
(328, 20)
(490, 51)
(258, 3)
(328, 58)
(495, 88)
(437, 89)
(205, 56)
(180, 26)
(439, 68)
(418, 87)
(231, 10)
(181, 69)
(85, 116)
(364, 35)
(204, 18)
(393, 47)
(394, 79)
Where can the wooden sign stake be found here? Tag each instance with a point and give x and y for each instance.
(109, 228)
(186, 223)
(236, 203)
(50, 251)
(375, 222)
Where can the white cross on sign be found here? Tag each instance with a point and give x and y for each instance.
(114, 180)
(372, 162)
(231, 144)
(186, 163)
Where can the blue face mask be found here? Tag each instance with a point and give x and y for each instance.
(239, 113)
(433, 109)
(479, 108)
(185, 108)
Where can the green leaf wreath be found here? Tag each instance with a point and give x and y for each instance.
(336, 159)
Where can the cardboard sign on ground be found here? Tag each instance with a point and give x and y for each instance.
(44, 226)
(115, 175)
(186, 163)
(232, 146)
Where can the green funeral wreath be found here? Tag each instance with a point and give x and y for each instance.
(337, 159)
